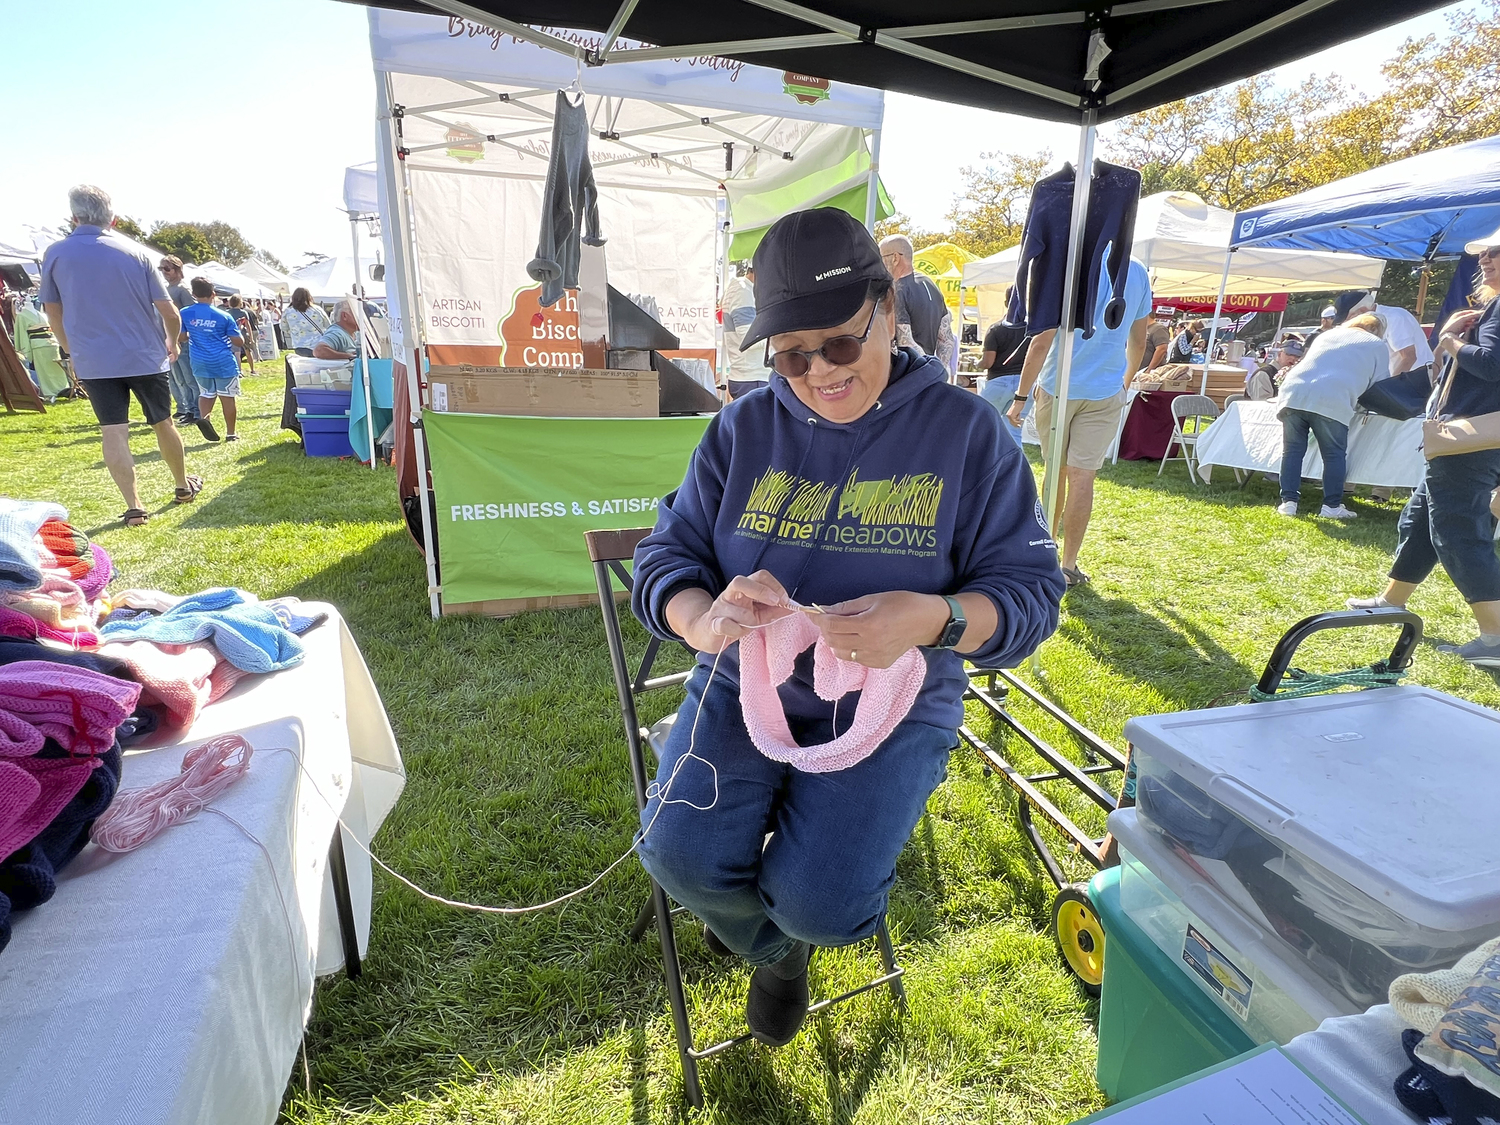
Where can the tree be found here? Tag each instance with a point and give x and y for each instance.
(901, 223)
(1442, 91)
(183, 239)
(313, 258)
(129, 227)
(987, 216)
(216, 240)
(270, 259)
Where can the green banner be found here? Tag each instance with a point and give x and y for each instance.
(515, 495)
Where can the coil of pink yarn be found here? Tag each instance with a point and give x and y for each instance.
(139, 815)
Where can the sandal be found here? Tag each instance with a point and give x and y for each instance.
(134, 517)
(1074, 576)
(190, 493)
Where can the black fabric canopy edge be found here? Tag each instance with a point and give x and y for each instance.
(1143, 43)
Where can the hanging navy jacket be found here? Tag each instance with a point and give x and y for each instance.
(1037, 296)
(570, 198)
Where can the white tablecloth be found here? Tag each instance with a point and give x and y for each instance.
(1358, 1058)
(1382, 451)
(172, 984)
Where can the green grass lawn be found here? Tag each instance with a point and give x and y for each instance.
(519, 790)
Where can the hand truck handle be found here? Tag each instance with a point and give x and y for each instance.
(1286, 648)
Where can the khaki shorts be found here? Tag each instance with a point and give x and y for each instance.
(1089, 428)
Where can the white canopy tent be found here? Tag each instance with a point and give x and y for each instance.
(1182, 241)
(467, 116)
(221, 275)
(268, 276)
(332, 279)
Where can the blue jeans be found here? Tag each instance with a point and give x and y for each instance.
(825, 874)
(1000, 391)
(184, 386)
(1448, 520)
(1333, 441)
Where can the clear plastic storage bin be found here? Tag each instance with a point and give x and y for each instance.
(1255, 978)
(1358, 828)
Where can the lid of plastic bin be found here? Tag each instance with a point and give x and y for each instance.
(1250, 936)
(1396, 790)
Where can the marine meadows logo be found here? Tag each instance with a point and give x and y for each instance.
(897, 516)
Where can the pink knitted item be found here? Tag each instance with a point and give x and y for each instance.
(78, 708)
(92, 584)
(767, 657)
(50, 783)
(174, 676)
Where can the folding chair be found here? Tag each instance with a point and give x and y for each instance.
(610, 551)
(1184, 408)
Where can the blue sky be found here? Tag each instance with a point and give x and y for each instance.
(250, 112)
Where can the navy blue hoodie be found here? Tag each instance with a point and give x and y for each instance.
(925, 492)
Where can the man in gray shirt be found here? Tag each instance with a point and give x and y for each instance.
(110, 309)
(921, 313)
(184, 386)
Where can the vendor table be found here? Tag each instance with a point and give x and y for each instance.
(1382, 451)
(1146, 428)
(171, 984)
(1358, 1058)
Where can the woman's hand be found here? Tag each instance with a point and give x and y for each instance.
(1448, 345)
(1460, 322)
(876, 629)
(710, 624)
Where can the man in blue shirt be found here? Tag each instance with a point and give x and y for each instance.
(109, 308)
(340, 340)
(211, 334)
(1101, 367)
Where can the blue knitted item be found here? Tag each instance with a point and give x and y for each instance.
(248, 634)
(19, 522)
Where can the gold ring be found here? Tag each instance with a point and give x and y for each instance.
(853, 656)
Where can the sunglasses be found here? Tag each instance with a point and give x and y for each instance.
(1490, 252)
(839, 351)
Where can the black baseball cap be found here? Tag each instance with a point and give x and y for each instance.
(812, 270)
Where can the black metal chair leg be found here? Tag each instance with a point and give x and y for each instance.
(888, 959)
(343, 903)
(643, 919)
(676, 997)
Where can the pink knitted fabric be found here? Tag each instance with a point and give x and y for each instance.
(79, 709)
(92, 584)
(33, 791)
(174, 676)
(766, 661)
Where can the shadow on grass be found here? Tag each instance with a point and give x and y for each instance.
(847, 1091)
(1184, 664)
(279, 484)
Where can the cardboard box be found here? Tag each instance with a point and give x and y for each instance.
(543, 392)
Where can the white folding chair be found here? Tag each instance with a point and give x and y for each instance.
(1188, 409)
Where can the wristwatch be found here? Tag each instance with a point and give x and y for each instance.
(953, 632)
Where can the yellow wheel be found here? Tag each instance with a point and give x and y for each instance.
(1080, 936)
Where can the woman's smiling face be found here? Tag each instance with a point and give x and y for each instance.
(844, 393)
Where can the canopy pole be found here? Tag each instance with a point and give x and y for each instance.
(364, 370)
(1213, 332)
(1082, 183)
(1280, 320)
(1422, 291)
(872, 192)
(388, 137)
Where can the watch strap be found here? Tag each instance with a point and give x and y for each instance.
(953, 631)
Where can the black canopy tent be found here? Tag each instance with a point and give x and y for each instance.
(1051, 59)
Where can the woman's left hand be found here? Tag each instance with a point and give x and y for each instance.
(876, 629)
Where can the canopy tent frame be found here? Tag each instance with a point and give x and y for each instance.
(759, 137)
(903, 40)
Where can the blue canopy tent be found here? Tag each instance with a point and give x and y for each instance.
(1416, 210)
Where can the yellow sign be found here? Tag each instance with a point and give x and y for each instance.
(943, 263)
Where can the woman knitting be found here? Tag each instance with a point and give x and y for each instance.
(843, 540)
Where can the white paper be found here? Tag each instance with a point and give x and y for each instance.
(1264, 1089)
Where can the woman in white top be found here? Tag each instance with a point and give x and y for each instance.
(1320, 395)
(303, 322)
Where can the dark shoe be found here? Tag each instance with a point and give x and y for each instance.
(231, 437)
(188, 493)
(715, 945)
(777, 1005)
(206, 428)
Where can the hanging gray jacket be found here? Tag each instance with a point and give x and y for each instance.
(569, 192)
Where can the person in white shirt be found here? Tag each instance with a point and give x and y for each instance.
(1403, 335)
(1320, 395)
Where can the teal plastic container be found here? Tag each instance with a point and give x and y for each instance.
(1155, 1024)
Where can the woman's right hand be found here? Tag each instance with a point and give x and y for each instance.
(748, 602)
(1460, 322)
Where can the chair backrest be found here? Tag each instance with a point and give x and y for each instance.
(1235, 398)
(609, 551)
(1194, 406)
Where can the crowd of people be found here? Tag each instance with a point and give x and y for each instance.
(129, 326)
